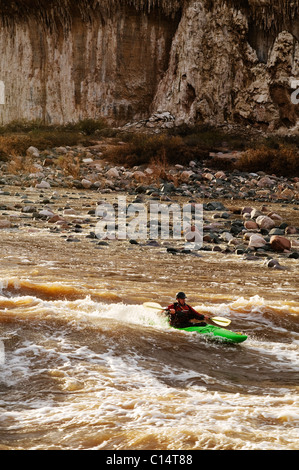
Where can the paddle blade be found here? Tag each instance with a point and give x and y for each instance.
(221, 321)
(154, 305)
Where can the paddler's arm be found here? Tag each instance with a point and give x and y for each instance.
(170, 309)
(200, 316)
(173, 311)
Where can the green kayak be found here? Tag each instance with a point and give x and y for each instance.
(216, 332)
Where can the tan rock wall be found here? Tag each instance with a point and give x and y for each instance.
(107, 67)
(200, 60)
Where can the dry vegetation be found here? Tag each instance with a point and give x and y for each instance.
(69, 165)
(283, 161)
(16, 137)
(272, 155)
(277, 155)
(142, 149)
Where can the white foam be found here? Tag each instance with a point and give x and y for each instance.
(109, 391)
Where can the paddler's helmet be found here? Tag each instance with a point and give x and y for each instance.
(180, 295)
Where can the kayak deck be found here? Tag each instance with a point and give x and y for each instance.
(217, 332)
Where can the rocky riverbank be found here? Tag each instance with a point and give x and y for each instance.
(86, 168)
(253, 215)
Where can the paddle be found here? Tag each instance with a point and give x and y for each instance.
(221, 321)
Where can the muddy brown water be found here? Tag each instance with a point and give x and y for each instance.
(87, 366)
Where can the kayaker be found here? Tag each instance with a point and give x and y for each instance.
(180, 314)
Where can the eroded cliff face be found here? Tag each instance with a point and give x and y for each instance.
(67, 65)
(233, 64)
(200, 60)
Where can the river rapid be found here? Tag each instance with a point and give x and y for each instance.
(84, 365)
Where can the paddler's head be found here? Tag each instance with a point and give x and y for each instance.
(181, 296)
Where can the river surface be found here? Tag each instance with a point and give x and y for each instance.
(86, 366)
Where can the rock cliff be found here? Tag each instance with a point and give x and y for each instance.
(199, 60)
